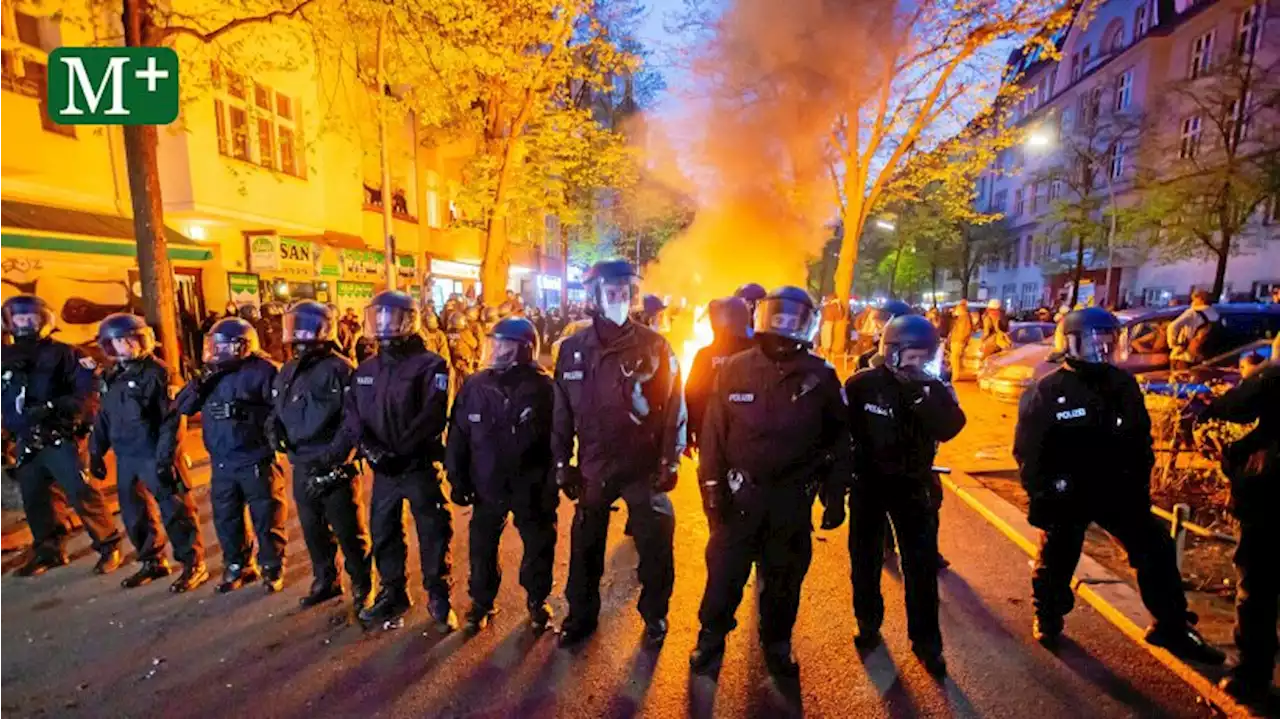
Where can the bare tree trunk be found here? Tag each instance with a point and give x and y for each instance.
(852, 220)
(1220, 273)
(1079, 272)
(140, 150)
(384, 152)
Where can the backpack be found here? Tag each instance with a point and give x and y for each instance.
(1203, 337)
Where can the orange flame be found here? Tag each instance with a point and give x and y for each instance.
(700, 338)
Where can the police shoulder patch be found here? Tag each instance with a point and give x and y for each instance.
(575, 374)
(742, 397)
(364, 381)
(442, 382)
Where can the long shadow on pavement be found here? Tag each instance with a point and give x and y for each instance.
(629, 698)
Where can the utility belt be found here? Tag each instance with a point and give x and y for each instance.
(43, 437)
(235, 410)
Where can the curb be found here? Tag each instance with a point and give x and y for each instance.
(1111, 596)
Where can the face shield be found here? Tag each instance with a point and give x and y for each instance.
(28, 320)
(128, 348)
(1092, 346)
(386, 323)
(500, 353)
(786, 318)
(299, 328)
(220, 349)
(614, 300)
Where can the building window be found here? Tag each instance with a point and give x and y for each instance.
(1201, 55)
(1117, 160)
(1030, 295)
(1028, 244)
(1076, 68)
(1189, 139)
(1237, 127)
(1124, 91)
(27, 38)
(1034, 196)
(1115, 38)
(1018, 206)
(1248, 28)
(1140, 22)
(255, 123)
(998, 200)
(1090, 105)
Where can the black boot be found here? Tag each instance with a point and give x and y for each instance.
(867, 640)
(391, 602)
(780, 662)
(321, 591)
(1246, 688)
(707, 655)
(539, 616)
(575, 633)
(273, 579)
(1047, 631)
(193, 575)
(442, 615)
(477, 618)
(655, 633)
(1185, 643)
(360, 592)
(42, 561)
(931, 658)
(151, 569)
(236, 576)
(108, 561)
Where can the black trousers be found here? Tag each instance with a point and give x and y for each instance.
(653, 523)
(146, 506)
(261, 488)
(772, 531)
(421, 489)
(1257, 561)
(1145, 540)
(51, 480)
(335, 520)
(537, 527)
(914, 516)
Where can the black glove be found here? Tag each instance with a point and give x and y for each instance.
(715, 501)
(97, 467)
(569, 481)
(668, 473)
(1048, 507)
(320, 484)
(462, 494)
(833, 509)
(167, 476)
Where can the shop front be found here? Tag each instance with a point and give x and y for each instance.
(85, 266)
(449, 277)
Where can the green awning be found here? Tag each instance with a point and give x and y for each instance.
(30, 226)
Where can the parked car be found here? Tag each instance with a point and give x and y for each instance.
(1020, 333)
(1143, 345)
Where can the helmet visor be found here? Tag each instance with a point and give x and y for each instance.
(382, 322)
(1095, 346)
(299, 327)
(501, 353)
(129, 347)
(786, 318)
(220, 348)
(28, 320)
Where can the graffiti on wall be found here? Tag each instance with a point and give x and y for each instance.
(80, 294)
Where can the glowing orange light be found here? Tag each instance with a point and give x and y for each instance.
(702, 337)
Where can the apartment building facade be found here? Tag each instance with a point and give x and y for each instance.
(1111, 80)
(271, 181)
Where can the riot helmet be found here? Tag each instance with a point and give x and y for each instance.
(612, 290)
(27, 317)
(249, 312)
(392, 315)
(308, 324)
(126, 337)
(787, 313)
(512, 341)
(230, 339)
(879, 317)
(651, 307)
(1091, 336)
(729, 317)
(908, 343)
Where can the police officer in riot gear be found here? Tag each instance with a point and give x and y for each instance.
(618, 393)
(1252, 464)
(650, 312)
(307, 402)
(774, 436)
(436, 339)
(897, 416)
(137, 422)
(730, 319)
(1087, 409)
(395, 413)
(233, 396)
(874, 329)
(499, 460)
(753, 293)
(49, 394)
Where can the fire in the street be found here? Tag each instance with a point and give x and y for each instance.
(701, 337)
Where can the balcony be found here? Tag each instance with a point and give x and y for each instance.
(399, 203)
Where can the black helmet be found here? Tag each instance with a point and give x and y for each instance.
(27, 317)
(907, 332)
(1090, 334)
(752, 293)
(124, 326)
(308, 322)
(729, 316)
(652, 305)
(611, 272)
(896, 308)
(877, 318)
(512, 341)
(249, 312)
(230, 339)
(392, 315)
(787, 312)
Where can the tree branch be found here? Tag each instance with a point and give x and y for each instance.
(211, 35)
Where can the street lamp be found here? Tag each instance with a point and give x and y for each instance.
(886, 225)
